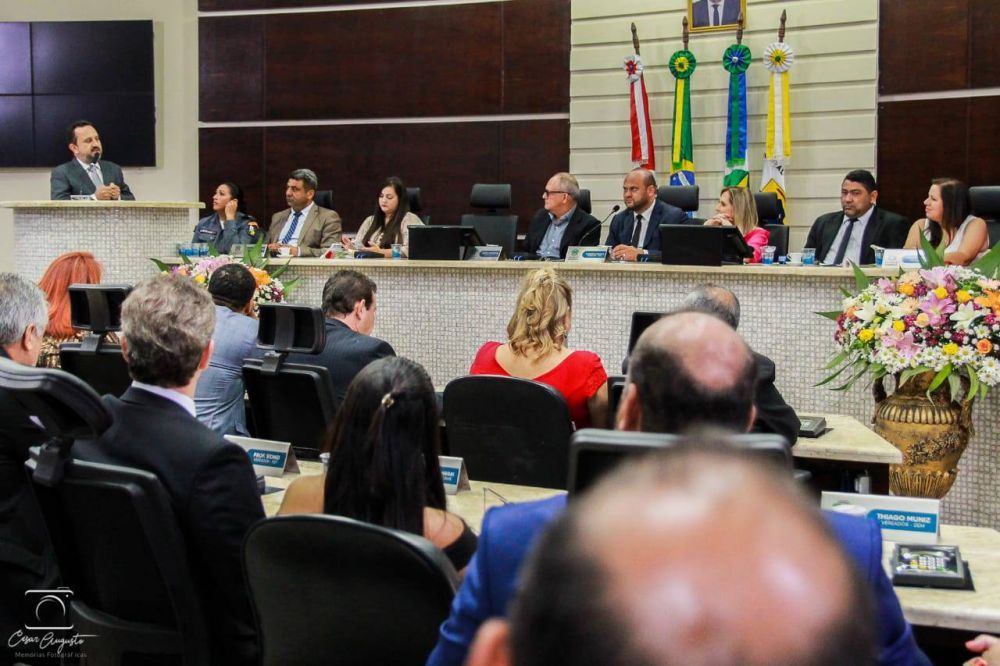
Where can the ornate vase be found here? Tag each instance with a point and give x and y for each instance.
(930, 433)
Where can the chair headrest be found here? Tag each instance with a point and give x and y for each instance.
(291, 328)
(416, 203)
(584, 200)
(66, 405)
(985, 201)
(490, 195)
(324, 199)
(684, 197)
(767, 205)
(97, 307)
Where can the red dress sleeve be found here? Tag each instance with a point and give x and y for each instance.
(485, 362)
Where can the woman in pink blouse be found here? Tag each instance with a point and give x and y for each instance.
(736, 208)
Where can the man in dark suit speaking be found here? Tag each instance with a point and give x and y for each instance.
(561, 222)
(87, 174)
(711, 13)
(635, 232)
(848, 234)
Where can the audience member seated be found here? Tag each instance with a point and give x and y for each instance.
(389, 224)
(229, 222)
(304, 229)
(949, 225)
(696, 556)
(67, 269)
(635, 232)
(384, 467)
(561, 222)
(773, 413)
(689, 369)
(167, 325)
(349, 306)
(736, 208)
(848, 234)
(219, 396)
(26, 558)
(536, 349)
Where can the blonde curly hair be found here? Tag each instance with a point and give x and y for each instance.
(539, 325)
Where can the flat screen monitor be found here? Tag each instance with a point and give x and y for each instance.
(693, 245)
(447, 242)
(640, 322)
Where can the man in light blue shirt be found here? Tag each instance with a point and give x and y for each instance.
(561, 222)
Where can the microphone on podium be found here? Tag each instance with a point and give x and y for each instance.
(597, 227)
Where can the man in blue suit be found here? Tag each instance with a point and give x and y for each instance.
(673, 385)
(635, 232)
(87, 174)
(712, 13)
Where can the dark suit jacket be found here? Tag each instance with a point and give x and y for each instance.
(509, 532)
(70, 178)
(320, 230)
(884, 228)
(213, 491)
(700, 8)
(579, 225)
(623, 224)
(773, 413)
(345, 354)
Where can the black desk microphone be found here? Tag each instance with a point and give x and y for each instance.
(597, 228)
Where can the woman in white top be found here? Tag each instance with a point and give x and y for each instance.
(949, 226)
(390, 223)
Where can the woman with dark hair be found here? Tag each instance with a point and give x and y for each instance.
(949, 226)
(389, 224)
(384, 465)
(229, 222)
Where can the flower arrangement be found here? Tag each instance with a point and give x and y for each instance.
(940, 319)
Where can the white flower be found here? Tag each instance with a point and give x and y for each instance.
(865, 312)
(965, 315)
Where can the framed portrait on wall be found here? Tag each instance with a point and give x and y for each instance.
(715, 15)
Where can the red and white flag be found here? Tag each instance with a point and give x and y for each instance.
(642, 129)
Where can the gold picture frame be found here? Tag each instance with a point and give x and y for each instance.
(700, 15)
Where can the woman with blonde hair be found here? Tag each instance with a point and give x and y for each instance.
(67, 269)
(736, 208)
(536, 349)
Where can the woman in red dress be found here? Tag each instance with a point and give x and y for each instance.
(536, 349)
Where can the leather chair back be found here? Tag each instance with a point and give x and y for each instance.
(985, 203)
(493, 227)
(684, 197)
(768, 211)
(584, 201)
(778, 238)
(324, 199)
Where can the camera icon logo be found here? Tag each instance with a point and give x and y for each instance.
(49, 609)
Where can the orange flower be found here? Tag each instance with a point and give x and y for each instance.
(984, 347)
(260, 276)
(990, 299)
(905, 289)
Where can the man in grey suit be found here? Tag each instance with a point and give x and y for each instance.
(712, 13)
(87, 174)
(304, 229)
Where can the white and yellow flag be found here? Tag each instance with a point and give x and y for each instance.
(778, 59)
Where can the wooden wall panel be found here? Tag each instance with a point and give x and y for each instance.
(984, 21)
(984, 141)
(923, 45)
(238, 5)
(536, 56)
(235, 154)
(230, 68)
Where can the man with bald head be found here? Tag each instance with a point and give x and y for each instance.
(561, 222)
(696, 555)
(635, 232)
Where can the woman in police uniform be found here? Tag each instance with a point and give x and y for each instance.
(229, 222)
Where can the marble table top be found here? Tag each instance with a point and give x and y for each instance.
(848, 439)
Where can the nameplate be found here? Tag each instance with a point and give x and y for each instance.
(453, 474)
(268, 457)
(486, 253)
(81, 197)
(901, 259)
(903, 519)
(598, 253)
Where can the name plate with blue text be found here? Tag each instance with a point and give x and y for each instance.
(267, 456)
(597, 253)
(901, 259)
(453, 474)
(486, 253)
(903, 519)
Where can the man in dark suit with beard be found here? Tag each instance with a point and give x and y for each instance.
(167, 325)
(561, 222)
(87, 174)
(635, 232)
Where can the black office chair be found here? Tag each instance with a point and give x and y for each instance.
(324, 199)
(328, 589)
(584, 201)
(684, 197)
(508, 430)
(96, 308)
(417, 203)
(120, 552)
(769, 209)
(290, 402)
(494, 227)
(985, 202)
(778, 237)
(616, 389)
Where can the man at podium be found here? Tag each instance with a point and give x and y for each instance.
(87, 174)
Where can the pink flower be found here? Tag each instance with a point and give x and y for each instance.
(936, 308)
(886, 285)
(903, 342)
(939, 276)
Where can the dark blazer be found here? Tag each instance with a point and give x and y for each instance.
(345, 353)
(700, 8)
(773, 413)
(623, 224)
(884, 228)
(240, 230)
(320, 230)
(509, 531)
(213, 491)
(579, 225)
(70, 178)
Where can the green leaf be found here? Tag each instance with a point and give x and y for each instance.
(164, 268)
(280, 269)
(973, 383)
(833, 376)
(910, 373)
(846, 293)
(989, 263)
(983, 389)
(832, 314)
(291, 285)
(852, 380)
(861, 281)
(212, 250)
(954, 385)
(186, 260)
(837, 360)
(939, 378)
(929, 257)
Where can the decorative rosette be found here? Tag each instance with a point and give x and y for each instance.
(633, 68)
(682, 64)
(778, 57)
(736, 59)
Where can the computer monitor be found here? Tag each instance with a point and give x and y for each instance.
(640, 322)
(448, 242)
(693, 245)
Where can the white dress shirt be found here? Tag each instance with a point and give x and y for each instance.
(645, 223)
(294, 240)
(170, 394)
(853, 252)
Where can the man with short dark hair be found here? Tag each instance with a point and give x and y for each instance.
(349, 306)
(848, 234)
(167, 325)
(87, 174)
(694, 556)
(561, 222)
(635, 232)
(304, 229)
(219, 396)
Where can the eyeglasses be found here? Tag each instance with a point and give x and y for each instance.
(549, 193)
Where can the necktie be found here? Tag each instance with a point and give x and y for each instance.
(636, 239)
(291, 230)
(95, 175)
(842, 250)
(715, 14)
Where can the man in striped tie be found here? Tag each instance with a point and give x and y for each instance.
(88, 175)
(304, 229)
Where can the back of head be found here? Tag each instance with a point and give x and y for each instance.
(744, 208)
(232, 286)
(540, 322)
(697, 555)
(167, 322)
(22, 304)
(714, 300)
(689, 369)
(384, 448)
(345, 288)
(67, 269)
